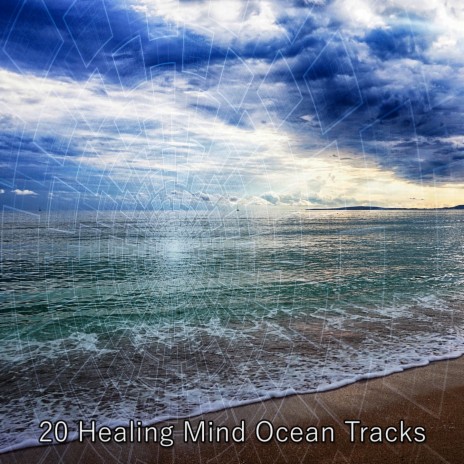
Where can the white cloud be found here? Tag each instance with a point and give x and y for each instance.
(24, 192)
(226, 20)
(144, 134)
(357, 13)
(444, 16)
(176, 138)
(2, 191)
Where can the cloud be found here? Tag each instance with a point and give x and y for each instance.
(398, 42)
(230, 101)
(227, 20)
(97, 131)
(24, 192)
(76, 40)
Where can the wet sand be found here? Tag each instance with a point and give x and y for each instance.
(431, 397)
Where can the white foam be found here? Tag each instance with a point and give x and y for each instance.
(266, 395)
(259, 373)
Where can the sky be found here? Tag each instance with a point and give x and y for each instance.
(187, 104)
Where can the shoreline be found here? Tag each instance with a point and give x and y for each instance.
(231, 404)
(431, 397)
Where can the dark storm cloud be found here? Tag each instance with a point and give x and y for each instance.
(397, 42)
(189, 51)
(65, 38)
(59, 38)
(350, 81)
(349, 90)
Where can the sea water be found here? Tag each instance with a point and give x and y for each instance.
(119, 316)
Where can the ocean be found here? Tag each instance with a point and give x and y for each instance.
(154, 315)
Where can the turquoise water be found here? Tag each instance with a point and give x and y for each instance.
(152, 315)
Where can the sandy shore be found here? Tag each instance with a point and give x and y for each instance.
(431, 397)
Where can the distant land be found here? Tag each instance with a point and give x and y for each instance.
(364, 208)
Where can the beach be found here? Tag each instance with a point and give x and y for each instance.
(430, 397)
